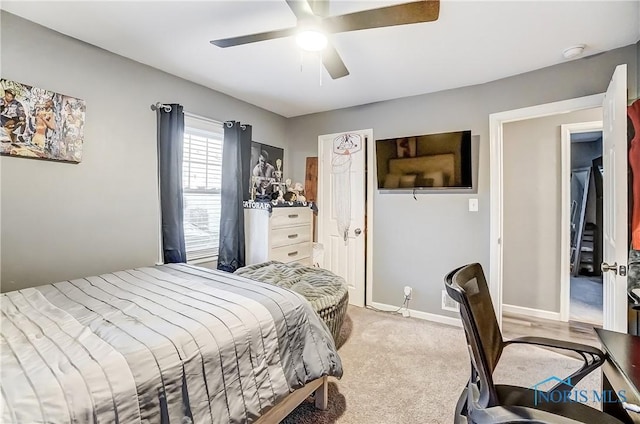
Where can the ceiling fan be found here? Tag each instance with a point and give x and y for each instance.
(314, 20)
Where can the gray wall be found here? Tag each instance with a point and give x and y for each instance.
(532, 202)
(417, 242)
(62, 221)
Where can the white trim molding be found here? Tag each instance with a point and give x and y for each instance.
(371, 171)
(530, 312)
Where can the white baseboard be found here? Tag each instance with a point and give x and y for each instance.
(420, 315)
(536, 313)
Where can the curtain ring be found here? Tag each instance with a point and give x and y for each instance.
(229, 124)
(244, 127)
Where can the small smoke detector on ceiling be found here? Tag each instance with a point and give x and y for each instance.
(573, 51)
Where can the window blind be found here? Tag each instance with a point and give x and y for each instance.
(201, 182)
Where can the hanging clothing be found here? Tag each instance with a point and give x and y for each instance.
(633, 135)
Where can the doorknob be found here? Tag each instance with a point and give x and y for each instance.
(606, 267)
(358, 231)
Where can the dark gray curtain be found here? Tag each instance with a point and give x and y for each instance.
(170, 140)
(236, 155)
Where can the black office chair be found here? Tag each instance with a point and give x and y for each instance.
(482, 401)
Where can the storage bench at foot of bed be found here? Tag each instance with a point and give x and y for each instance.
(326, 292)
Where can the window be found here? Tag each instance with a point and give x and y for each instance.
(201, 182)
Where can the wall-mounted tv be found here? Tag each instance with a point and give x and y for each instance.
(430, 161)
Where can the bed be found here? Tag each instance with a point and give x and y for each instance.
(167, 344)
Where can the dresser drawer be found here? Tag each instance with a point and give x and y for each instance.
(291, 253)
(306, 261)
(285, 236)
(282, 217)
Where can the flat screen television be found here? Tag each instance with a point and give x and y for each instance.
(430, 161)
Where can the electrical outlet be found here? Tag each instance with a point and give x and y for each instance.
(405, 313)
(407, 292)
(449, 304)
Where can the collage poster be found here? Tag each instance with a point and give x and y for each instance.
(40, 124)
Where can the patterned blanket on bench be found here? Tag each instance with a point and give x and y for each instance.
(326, 292)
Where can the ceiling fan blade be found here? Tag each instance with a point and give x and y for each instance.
(300, 8)
(333, 63)
(401, 14)
(246, 39)
(319, 7)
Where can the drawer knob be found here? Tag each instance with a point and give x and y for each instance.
(293, 215)
(292, 253)
(292, 236)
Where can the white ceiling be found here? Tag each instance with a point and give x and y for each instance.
(472, 42)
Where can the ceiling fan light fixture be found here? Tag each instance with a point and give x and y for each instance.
(311, 40)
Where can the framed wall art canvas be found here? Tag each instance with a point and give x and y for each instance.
(40, 124)
(266, 168)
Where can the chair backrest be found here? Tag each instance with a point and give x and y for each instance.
(467, 286)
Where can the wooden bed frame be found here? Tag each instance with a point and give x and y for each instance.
(278, 412)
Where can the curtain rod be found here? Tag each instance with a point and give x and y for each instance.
(167, 108)
(158, 105)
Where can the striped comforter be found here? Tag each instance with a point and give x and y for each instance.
(170, 344)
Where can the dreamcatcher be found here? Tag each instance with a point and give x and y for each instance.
(343, 147)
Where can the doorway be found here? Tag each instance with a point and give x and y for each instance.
(585, 173)
(538, 170)
(533, 200)
(615, 158)
(534, 281)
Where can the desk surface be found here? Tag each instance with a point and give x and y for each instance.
(624, 352)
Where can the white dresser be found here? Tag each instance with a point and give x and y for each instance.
(284, 235)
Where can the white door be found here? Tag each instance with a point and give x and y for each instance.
(614, 160)
(342, 206)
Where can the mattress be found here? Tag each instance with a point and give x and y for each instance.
(167, 344)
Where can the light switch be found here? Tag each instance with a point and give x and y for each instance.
(473, 205)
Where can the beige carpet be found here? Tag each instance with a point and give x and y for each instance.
(406, 370)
